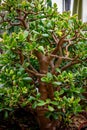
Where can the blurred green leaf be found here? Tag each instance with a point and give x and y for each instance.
(34, 105)
(41, 103)
(27, 79)
(25, 34)
(56, 83)
(50, 108)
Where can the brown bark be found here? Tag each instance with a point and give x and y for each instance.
(50, 91)
(43, 69)
(46, 91)
(44, 123)
(43, 91)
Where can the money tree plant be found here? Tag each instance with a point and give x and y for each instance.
(43, 61)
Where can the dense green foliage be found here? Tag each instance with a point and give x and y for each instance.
(31, 31)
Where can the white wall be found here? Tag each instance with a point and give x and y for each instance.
(59, 4)
(84, 18)
(60, 8)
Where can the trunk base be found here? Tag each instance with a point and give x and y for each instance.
(44, 123)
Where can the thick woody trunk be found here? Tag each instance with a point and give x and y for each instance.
(44, 123)
(43, 70)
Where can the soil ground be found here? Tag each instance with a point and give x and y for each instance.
(22, 119)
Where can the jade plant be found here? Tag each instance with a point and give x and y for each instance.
(43, 62)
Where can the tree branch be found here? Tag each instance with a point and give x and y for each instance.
(39, 55)
(34, 73)
(59, 61)
(60, 42)
(52, 65)
(33, 68)
(15, 24)
(19, 52)
(64, 58)
(67, 47)
(70, 64)
(22, 21)
(55, 38)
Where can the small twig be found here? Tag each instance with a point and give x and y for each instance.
(60, 42)
(67, 47)
(71, 39)
(19, 52)
(55, 38)
(15, 24)
(33, 68)
(65, 58)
